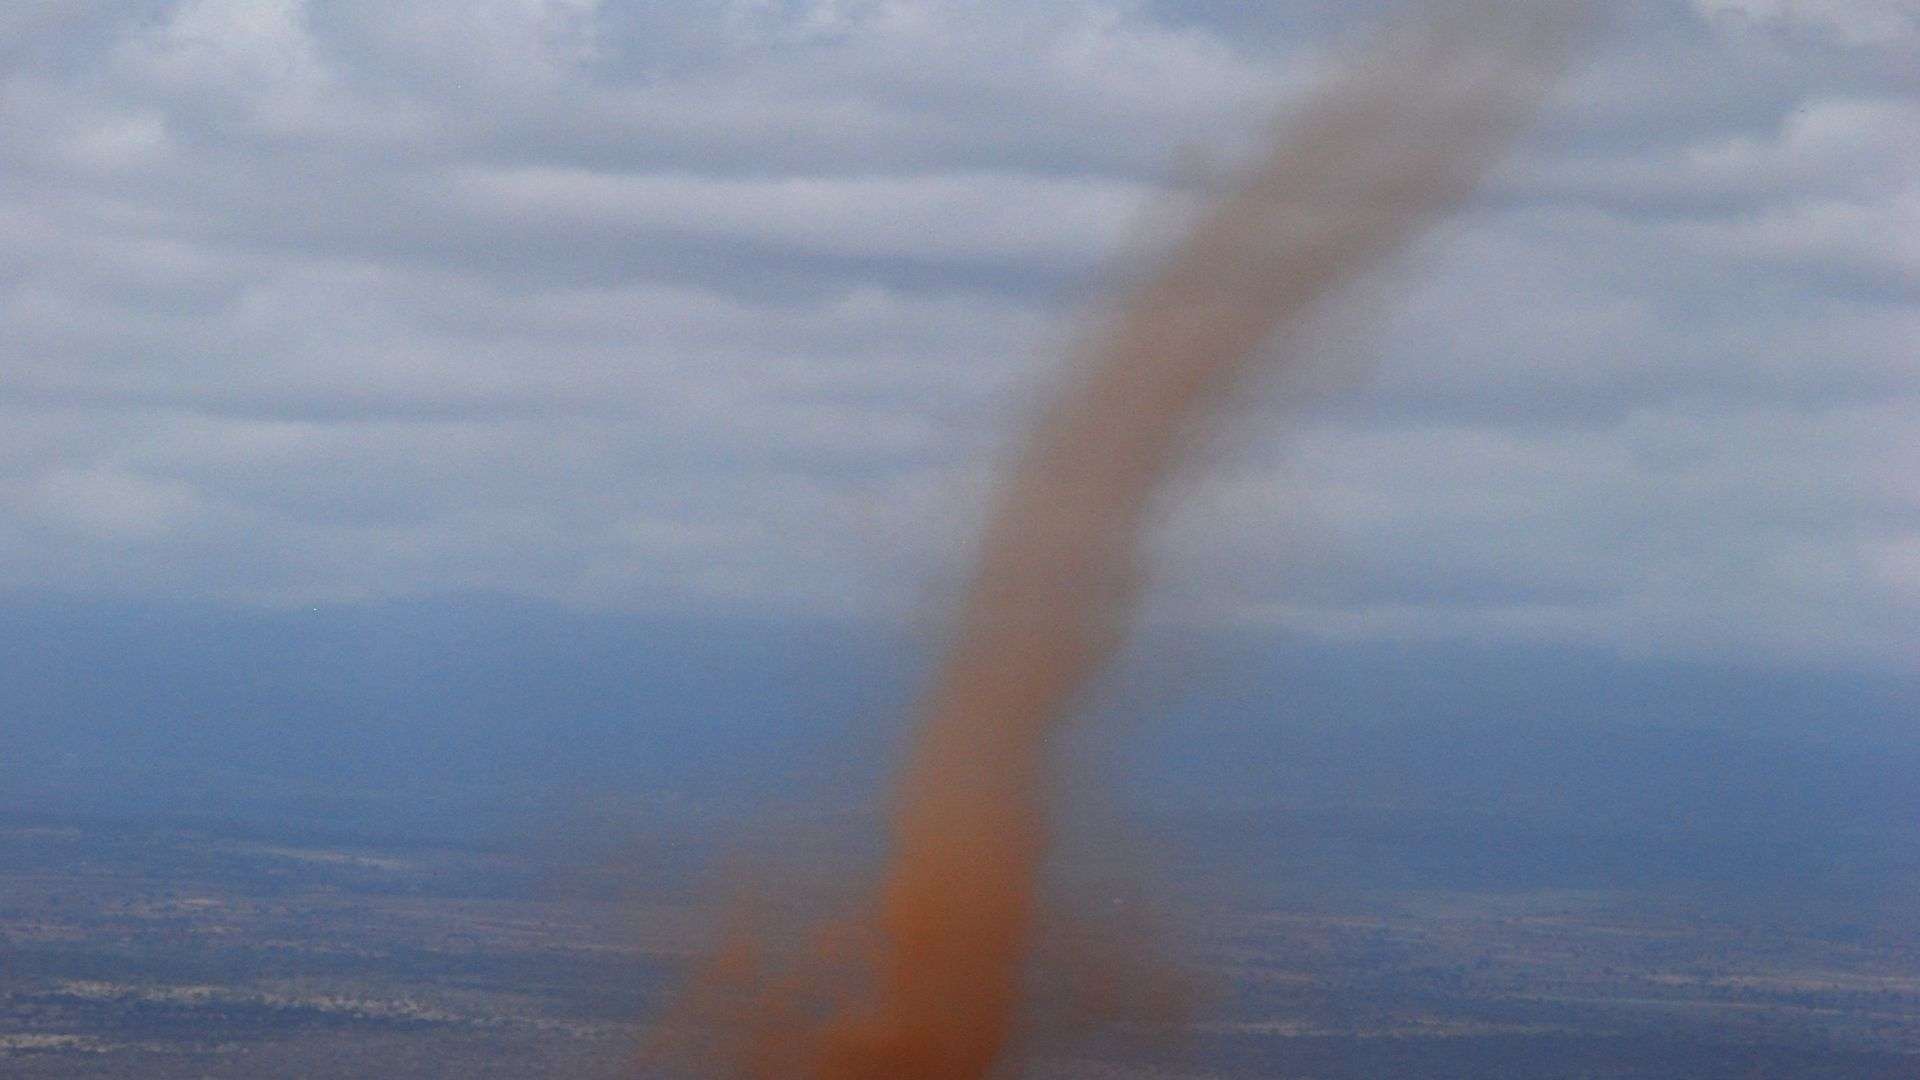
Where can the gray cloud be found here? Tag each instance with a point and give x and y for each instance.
(733, 303)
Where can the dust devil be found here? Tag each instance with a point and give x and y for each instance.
(932, 988)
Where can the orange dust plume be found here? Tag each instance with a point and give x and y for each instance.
(928, 984)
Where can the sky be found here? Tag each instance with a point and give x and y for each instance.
(735, 306)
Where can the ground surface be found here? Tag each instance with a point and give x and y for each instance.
(179, 953)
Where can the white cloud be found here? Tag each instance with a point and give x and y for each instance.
(469, 50)
(1860, 22)
(717, 301)
(1058, 222)
(253, 56)
(112, 506)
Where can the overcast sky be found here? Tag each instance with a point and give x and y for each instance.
(734, 304)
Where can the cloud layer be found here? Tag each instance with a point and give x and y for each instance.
(734, 303)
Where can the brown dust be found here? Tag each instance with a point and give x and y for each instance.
(926, 982)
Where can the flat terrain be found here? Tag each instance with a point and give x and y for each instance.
(163, 953)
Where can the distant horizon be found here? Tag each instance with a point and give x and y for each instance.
(303, 721)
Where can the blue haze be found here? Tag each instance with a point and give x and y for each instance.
(483, 720)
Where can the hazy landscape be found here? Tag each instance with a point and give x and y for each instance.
(1598, 889)
(143, 952)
